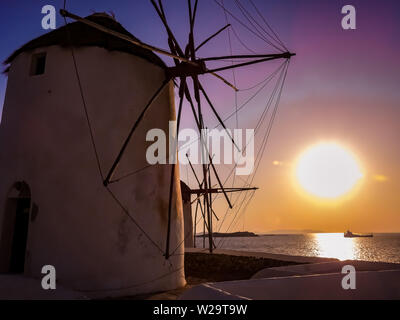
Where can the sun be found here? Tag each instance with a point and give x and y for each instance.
(327, 170)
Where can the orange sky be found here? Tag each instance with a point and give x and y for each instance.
(360, 126)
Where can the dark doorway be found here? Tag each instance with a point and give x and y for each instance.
(14, 235)
(20, 237)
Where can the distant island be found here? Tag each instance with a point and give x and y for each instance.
(229, 235)
(290, 232)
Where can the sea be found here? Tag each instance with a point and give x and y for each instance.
(384, 247)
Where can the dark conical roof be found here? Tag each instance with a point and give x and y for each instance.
(84, 35)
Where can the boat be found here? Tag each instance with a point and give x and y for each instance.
(349, 234)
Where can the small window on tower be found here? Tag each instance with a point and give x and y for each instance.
(38, 65)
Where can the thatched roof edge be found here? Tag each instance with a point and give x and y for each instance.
(84, 35)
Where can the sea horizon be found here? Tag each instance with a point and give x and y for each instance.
(383, 247)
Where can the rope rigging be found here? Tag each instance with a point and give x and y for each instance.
(267, 134)
(249, 19)
(247, 183)
(273, 37)
(234, 81)
(184, 60)
(259, 155)
(247, 27)
(262, 118)
(267, 24)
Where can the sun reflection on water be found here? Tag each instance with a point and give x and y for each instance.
(335, 245)
(381, 247)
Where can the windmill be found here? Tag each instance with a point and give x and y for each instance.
(187, 65)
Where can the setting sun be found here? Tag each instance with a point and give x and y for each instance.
(327, 170)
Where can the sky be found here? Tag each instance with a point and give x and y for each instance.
(341, 86)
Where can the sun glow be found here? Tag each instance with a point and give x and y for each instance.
(327, 171)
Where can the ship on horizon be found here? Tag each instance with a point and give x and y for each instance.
(349, 234)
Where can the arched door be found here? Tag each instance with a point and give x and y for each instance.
(15, 227)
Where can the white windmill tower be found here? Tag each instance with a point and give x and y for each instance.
(66, 115)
